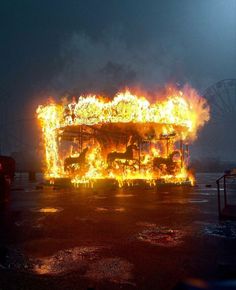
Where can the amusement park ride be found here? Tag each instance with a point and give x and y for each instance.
(127, 139)
(132, 153)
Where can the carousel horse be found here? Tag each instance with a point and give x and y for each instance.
(127, 155)
(80, 160)
(170, 164)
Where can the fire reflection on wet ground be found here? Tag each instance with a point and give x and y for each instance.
(66, 260)
(47, 210)
(161, 236)
(149, 238)
(107, 209)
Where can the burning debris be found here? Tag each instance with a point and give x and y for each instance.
(126, 139)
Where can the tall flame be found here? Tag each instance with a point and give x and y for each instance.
(177, 115)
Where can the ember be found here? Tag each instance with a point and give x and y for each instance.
(126, 140)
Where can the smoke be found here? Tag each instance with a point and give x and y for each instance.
(108, 64)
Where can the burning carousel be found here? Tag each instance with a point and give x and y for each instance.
(125, 140)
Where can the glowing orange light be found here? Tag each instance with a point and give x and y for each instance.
(177, 116)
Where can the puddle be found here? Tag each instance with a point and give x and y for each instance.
(47, 209)
(124, 195)
(86, 260)
(107, 209)
(66, 260)
(162, 236)
(120, 209)
(226, 230)
(99, 197)
(81, 259)
(114, 270)
(198, 200)
(101, 209)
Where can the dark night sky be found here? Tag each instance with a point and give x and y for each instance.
(49, 47)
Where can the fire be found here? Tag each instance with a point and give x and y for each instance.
(126, 139)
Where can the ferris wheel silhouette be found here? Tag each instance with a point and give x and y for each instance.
(221, 129)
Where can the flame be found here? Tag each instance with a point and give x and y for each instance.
(113, 126)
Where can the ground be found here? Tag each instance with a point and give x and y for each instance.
(109, 238)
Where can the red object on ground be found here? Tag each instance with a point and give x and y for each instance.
(8, 166)
(7, 172)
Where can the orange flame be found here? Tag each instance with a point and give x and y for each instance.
(155, 127)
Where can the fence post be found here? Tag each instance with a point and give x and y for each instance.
(225, 198)
(218, 192)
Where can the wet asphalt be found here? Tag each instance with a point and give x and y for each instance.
(111, 238)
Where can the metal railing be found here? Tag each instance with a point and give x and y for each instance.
(219, 181)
